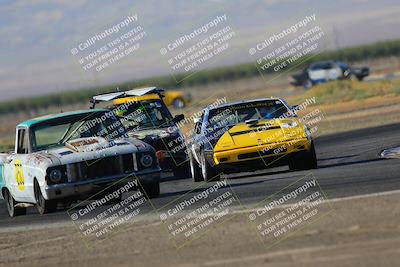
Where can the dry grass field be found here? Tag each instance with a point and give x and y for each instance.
(347, 104)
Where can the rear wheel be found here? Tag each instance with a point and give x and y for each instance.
(208, 172)
(44, 206)
(151, 190)
(11, 208)
(304, 160)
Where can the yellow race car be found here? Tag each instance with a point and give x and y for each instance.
(177, 99)
(247, 136)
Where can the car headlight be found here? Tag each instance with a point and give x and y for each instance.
(289, 125)
(163, 134)
(146, 160)
(55, 176)
(140, 136)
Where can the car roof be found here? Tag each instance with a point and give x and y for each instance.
(321, 63)
(41, 119)
(124, 100)
(137, 92)
(241, 102)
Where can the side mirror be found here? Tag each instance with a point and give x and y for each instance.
(178, 118)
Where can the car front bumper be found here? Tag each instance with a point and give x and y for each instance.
(83, 189)
(262, 151)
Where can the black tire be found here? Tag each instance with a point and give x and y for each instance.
(208, 172)
(304, 160)
(307, 84)
(150, 190)
(43, 206)
(195, 170)
(178, 103)
(182, 171)
(353, 77)
(10, 203)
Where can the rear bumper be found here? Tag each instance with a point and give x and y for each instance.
(83, 189)
(260, 152)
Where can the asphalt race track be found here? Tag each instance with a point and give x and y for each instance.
(349, 165)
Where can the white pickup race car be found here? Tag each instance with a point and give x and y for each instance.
(62, 158)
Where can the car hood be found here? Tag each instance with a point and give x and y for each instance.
(85, 149)
(149, 135)
(260, 132)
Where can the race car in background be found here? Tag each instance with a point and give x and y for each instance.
(62, 158)
(177, 99)
(324, 71)
(145, 115)
(247, 136)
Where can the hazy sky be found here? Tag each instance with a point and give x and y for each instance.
(36, 36)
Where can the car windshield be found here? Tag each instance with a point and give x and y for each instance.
(342, 65)
(144, 115)
(58, 131)
(234, 114)
(325, 65)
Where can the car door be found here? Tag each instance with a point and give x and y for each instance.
(333, 72)
(18, 178)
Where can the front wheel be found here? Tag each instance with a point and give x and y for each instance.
(304, 160)
(307, 84)
(209, 173)
(352, 77)
(195, 170)
(11, 208)
(44, 206)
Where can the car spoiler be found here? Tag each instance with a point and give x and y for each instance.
(134, 92)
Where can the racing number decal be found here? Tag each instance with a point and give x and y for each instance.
(19, 175)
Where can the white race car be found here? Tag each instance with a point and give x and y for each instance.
(325, 71)
(62, 158)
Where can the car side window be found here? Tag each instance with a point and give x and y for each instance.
(329, 66)
(197, 128)
(198, 125)
(22, 146)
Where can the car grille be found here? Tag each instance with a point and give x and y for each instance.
(260, 153)
(99, 168)
(260, 128)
